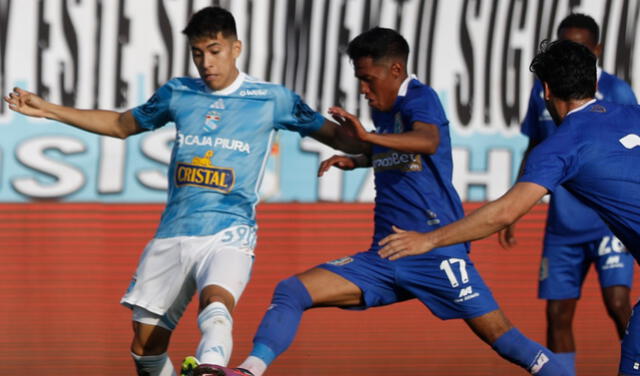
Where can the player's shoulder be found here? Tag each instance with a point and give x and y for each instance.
(612, 79)
(186, 83)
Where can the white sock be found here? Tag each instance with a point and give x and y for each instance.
(255, 365)
(154, 365)
(216, 342)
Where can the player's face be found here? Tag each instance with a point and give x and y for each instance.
(215, 59)
(581, 36)
(379, 82)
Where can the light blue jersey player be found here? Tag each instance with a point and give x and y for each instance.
(575, 236)
(411, 157)
(595, 155)
(225, 121)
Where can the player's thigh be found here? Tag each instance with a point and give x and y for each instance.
(447, 284)
(613, 262)
(223, 273)
(563, 269)
(630, 354)
(327, 288)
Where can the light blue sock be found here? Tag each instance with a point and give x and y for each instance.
(568, 360)
(280, 323)
(533, 357)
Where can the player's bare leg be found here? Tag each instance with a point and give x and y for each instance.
(149, 350)
(617, 300)
(559, 325)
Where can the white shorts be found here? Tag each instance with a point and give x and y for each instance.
(171, 270)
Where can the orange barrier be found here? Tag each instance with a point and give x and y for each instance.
(64, 267)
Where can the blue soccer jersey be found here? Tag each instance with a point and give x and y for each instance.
(569, 221)
(595, 155)
(413, 191)
(223, 140)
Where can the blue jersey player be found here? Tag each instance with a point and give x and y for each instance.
(225, 122)
(575, 236)
(410, 153)
(594, 154)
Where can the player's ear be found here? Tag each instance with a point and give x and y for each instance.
(397, 68)
(597, 50)
(547, 91)
(236, 48)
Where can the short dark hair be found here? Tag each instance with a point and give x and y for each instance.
(209, 21)
(567, 67)
(581, 21)
(379, 43)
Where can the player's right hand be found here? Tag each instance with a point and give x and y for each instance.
(25, 102)
(507, 237)
(342, 162)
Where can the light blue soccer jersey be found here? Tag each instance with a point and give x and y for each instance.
(223, 140)
(595, 155)
(569, 220)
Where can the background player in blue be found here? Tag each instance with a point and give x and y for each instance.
(595, 155)
(225, 121)
(575, 237)
(411, 156)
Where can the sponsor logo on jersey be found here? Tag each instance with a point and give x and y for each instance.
(201, 173)
(254, 92)
(217, 142)
(630, 141)
(395, 160)
(218, 105)
(538, 363)
(341, 261)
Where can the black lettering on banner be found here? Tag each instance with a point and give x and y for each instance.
(423, 50)
(487, 78)
(43, 44)
(97, 44)
(627, 27)
(323, 56)
(343, 40)
(247, 36)
(186, 57)
(270, 38)
(122, 86)
(297, 41)
(69, 32)
(5, 9)
(510, 76)
(544, 28)
(167, 40)
(465, 109)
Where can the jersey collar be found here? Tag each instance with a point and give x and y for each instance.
(581, 107)
(405, 85)
(235, 85)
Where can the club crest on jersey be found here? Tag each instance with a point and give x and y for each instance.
(211, 120)
(202, 173)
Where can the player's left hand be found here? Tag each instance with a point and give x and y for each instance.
(404, 243)
(349, 120)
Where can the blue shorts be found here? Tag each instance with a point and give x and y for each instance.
(448, 284)
(630, 354)
(564, 267)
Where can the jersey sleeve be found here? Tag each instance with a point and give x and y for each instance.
(552, 163)
(530, 125)
(156, 111)
(425, 108)
(623, 94)
(293, 114)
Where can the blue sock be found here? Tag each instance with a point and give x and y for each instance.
(536, 359)
(280, 323)
(568, 360)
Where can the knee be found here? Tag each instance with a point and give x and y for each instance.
(292, 291)
(149, 341)
(558, 316)
(618, 306)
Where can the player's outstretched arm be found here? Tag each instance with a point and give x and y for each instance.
(108, 123)
(344, 162)
(479, 224)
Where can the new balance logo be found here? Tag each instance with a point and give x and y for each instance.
(540, 361)
(219, 105)
(465, 291)
(613, 260)
(630, 141)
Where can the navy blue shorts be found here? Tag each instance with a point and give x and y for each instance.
(447, 283)
(564, 267)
